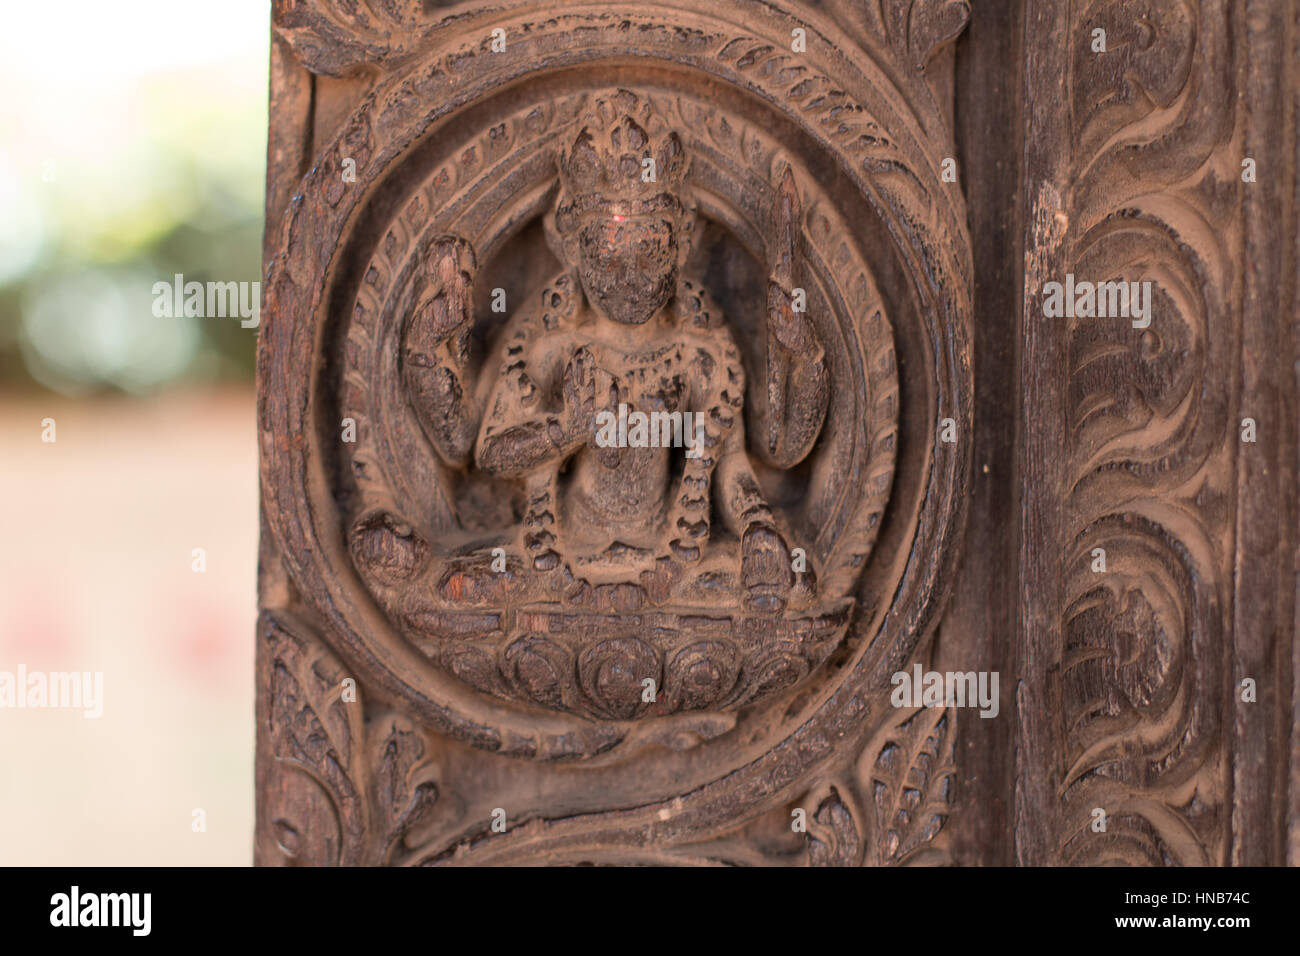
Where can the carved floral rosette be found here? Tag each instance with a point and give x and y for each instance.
(456, 138)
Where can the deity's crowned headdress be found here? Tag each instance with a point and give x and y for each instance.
(622, 158)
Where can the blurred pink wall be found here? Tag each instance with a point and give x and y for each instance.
(96, 574)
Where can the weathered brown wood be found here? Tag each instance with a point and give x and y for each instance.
(1264, 575)
(496, 630)
(1135, 440)
(977, 628)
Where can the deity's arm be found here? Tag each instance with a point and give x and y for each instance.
(797, 387)
(768, 576)
(519, 432)
(740, 500)
(718, 384)
(435, 352)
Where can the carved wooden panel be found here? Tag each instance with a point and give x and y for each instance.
(1143, 443)
(623, 374)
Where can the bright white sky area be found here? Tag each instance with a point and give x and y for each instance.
(121, 122)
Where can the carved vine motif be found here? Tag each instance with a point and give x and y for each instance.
(342, 789)
(1143, 659)
(892, 807)
(318, 812)
(898, 800)
(910, 781)
(475, 432)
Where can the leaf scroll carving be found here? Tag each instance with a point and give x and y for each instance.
(404, 782)
(1148, 469)
(908, 776)
(312, 733)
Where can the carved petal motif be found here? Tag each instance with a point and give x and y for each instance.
(312, 734)
(908, 776)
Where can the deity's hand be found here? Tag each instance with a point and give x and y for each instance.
(589, 390)
(765, 569)
(579, 389)
(586, 391)
(786, 325)
(793, 404)
(435, 350)
(445, 312)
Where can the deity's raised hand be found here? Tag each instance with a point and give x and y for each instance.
(446, 308)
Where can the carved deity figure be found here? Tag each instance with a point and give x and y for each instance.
(632, 331)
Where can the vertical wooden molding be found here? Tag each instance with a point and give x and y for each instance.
(980, 627)
(1264, 572)
(1291, 271)
(1042, 366)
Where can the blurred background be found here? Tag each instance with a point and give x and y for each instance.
(132, 149)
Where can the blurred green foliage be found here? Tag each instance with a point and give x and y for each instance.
(170, 181)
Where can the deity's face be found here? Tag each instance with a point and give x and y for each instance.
(628, 264)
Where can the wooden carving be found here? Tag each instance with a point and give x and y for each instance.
(597, 519)
(620, 392)
(1147, 182)
(581, 422)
